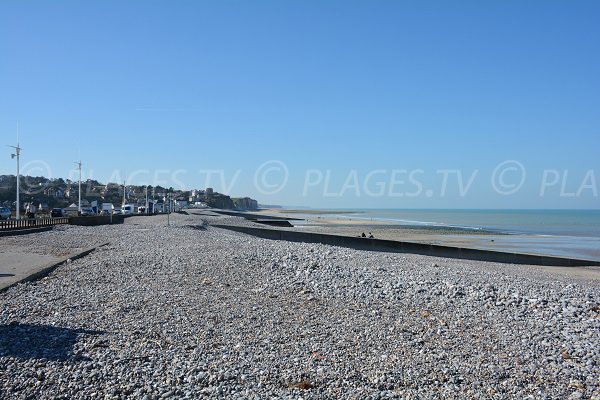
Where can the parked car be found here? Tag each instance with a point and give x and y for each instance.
(5, 213)
(118, 211)
(87, 211)
(58, 212)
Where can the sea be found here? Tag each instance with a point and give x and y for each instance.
(570, 233)
(581, 223)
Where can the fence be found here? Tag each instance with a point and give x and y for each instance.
(31, 223)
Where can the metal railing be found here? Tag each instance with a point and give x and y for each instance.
(31, 223)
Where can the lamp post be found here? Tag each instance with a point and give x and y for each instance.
(168, 198)
(79, 191)
(16, 155)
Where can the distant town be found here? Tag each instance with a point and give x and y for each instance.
(45, 194)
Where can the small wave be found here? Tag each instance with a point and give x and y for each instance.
(414, 222)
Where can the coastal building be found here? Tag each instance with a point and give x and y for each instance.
(196, 196)
(54, 192)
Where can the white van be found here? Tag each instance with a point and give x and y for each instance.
(107, 208)
(128, 209)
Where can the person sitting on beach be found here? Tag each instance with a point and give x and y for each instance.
(371, 236)
(363, 235)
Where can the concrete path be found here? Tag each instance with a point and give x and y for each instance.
(17, 264)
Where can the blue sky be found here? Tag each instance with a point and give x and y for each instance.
(365, 93)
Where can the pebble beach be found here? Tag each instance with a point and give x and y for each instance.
(193, 311)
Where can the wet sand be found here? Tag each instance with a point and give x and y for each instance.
(324, 221)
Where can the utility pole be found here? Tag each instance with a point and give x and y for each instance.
(16, 155)
(124, 190)
(147, 204)
(169, 211)
(79, 191)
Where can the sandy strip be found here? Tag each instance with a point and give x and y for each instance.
(320, 222)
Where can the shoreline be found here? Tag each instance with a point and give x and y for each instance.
(327, 217)
(484, 239)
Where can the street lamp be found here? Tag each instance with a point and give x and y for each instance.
(16, 155)
(124, 196)
(79, 203)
